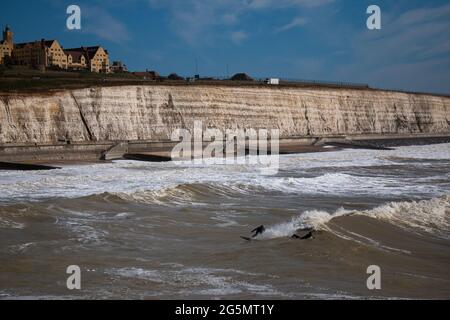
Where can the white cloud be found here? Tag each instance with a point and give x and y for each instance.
(424, 14)
(416, 34)
(198, 20)
(410, 51)
(258, 4)
(193, 20)
(239, 36)
(101, 23)
(296, 22)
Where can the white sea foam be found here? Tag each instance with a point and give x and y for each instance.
(8, 224)
(82, 231)
(431, 216)
(133, 177)
(337, 184)
(316, 219)
(202, 281)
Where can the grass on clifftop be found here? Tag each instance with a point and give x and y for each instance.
(18, 79)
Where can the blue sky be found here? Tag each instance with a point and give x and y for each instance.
(305, 39)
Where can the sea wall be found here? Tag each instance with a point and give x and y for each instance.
(153, 112)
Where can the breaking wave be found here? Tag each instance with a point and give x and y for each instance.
(430, 216)
(337, 184)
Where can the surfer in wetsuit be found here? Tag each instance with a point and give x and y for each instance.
(301, 234)
(305, 237)
(258, 231)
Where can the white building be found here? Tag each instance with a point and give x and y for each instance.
(273, 81)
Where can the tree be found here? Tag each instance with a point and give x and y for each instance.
(174, 76)
(241, 77)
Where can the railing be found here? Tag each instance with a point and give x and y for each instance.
(325, 83)
(292, 81)
(336, 84)
(413, 92)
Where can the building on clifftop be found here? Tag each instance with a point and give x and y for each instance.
(76, 60)
(96, 58)
(49, 54)
(6, 45)
(43, 54)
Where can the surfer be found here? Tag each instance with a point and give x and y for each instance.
(300, 234)
(304, 234)
(305, 237)
(258, 231)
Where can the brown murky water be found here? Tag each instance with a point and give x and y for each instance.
(162, 231)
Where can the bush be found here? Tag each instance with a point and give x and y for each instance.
(241, 77)
(174, 76)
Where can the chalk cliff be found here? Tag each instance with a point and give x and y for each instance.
(153, 112)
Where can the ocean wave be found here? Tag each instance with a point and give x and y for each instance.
(430, 216)
(331, 168)
(337, 184)
(202, 191)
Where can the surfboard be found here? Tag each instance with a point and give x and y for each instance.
(247, 238)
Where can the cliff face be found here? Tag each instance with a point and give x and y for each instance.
(153, 112)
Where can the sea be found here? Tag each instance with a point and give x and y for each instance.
(139, 230)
